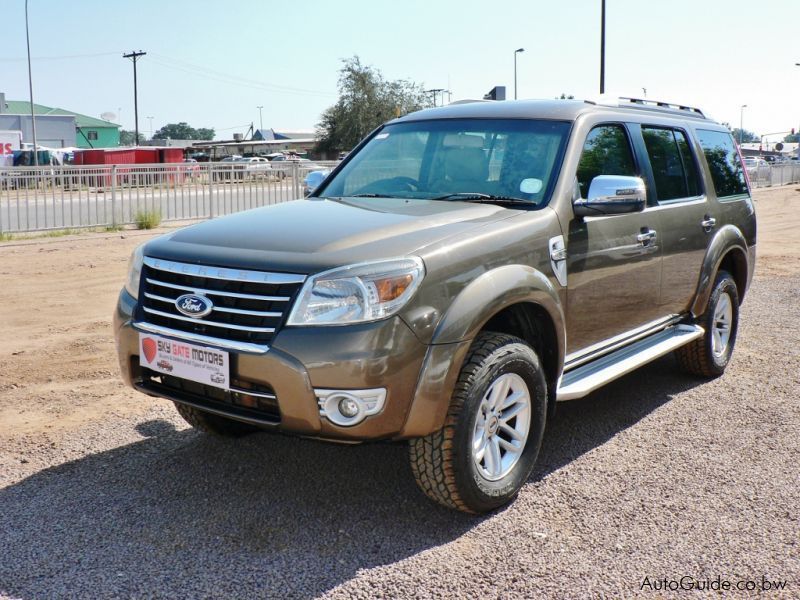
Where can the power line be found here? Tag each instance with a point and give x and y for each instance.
(211, 74)
(62, 57)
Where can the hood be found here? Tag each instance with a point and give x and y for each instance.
(307, 236)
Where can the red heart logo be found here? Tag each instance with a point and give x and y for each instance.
(149, 347)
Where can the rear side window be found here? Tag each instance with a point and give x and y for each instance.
(723, 162)
(673, 165)
(606, 152)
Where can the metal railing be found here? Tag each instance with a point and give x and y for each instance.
(73, 197)
(774, 174)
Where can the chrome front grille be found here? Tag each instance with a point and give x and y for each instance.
(249, 306)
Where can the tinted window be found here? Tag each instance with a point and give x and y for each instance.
(673, 166)
(723, 162)
(606, 152)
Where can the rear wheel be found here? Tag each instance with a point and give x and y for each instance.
(213, 424)
(709, 355)
(485, 452)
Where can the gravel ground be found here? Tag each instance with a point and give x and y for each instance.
(658, 475)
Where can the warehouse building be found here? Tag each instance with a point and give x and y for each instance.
(57, 127)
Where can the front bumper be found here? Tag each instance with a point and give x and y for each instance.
(384, 354)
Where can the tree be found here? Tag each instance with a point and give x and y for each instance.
(182, 131)
(564, 96)
(792, 138)
(747, 136)
(126, 138)
(365, 101)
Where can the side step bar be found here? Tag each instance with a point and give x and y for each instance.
(587, 378)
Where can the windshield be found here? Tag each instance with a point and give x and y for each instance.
(457, 159)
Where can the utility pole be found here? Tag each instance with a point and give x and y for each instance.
(30, 88)
(260, 119)
(134, 56)
(433, 93)
(603, 47)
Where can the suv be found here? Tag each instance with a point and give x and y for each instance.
(465, 268)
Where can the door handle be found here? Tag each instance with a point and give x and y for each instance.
(708, 223)
(645, 236)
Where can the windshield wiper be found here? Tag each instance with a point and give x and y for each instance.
(478, 197)
(373, 196)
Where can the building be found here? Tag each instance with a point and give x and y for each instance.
(263, 142)
(57, 127)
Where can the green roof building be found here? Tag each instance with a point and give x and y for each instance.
(89, 132)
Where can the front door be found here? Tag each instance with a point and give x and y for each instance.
(614, 262)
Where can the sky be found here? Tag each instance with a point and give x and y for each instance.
(211, 63)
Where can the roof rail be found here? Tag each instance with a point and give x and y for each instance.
(659, 105)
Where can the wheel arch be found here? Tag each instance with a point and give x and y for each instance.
(514, 299)
(727, 251)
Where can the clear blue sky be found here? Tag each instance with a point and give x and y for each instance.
(212, 63)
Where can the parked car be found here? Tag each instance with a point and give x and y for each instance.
(450, 296)
(191, 168)
(313, 179)
(256, 166)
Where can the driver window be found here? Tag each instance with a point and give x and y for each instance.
(607, 151)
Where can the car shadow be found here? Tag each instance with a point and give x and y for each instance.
(186, 515)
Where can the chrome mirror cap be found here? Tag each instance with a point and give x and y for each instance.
(612, 195)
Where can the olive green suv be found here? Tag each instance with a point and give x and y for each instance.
(460, 272)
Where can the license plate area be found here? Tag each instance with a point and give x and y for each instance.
(185, 360)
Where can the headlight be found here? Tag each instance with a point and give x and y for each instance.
(357, 293)
(135, 271)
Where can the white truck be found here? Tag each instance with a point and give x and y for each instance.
(9, 141)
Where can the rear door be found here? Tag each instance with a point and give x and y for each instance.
(687, 218)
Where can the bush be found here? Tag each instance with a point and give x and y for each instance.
(148, 219)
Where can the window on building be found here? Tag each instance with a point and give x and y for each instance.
(91, 135)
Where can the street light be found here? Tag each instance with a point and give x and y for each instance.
(517, 51)
(260, 120)
(603, 47)
(30, 88)
(741, 123)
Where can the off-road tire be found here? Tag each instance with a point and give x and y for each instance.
(442, 461)
(213, 424)
(697, 357)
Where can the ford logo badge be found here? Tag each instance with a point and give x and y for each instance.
(193, 305)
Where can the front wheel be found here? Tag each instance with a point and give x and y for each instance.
(709, 355)
(490, 441)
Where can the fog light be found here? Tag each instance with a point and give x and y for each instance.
(348, 407)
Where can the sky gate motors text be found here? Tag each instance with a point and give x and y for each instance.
(199, 354)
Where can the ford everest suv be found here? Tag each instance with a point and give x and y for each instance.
(461, 271)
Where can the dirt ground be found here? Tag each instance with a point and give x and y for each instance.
(59, 382)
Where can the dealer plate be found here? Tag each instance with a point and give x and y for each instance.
(202, 364)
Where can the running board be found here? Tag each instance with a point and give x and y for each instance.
(585, 379)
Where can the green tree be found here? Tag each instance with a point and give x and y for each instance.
(747, 136)
(183, 131)
(792, 138)
(365, 101)
(126, 138)
(564, 96)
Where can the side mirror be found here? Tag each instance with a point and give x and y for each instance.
(612, 195)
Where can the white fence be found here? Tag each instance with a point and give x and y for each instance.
(50, 198)
(776, 174)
